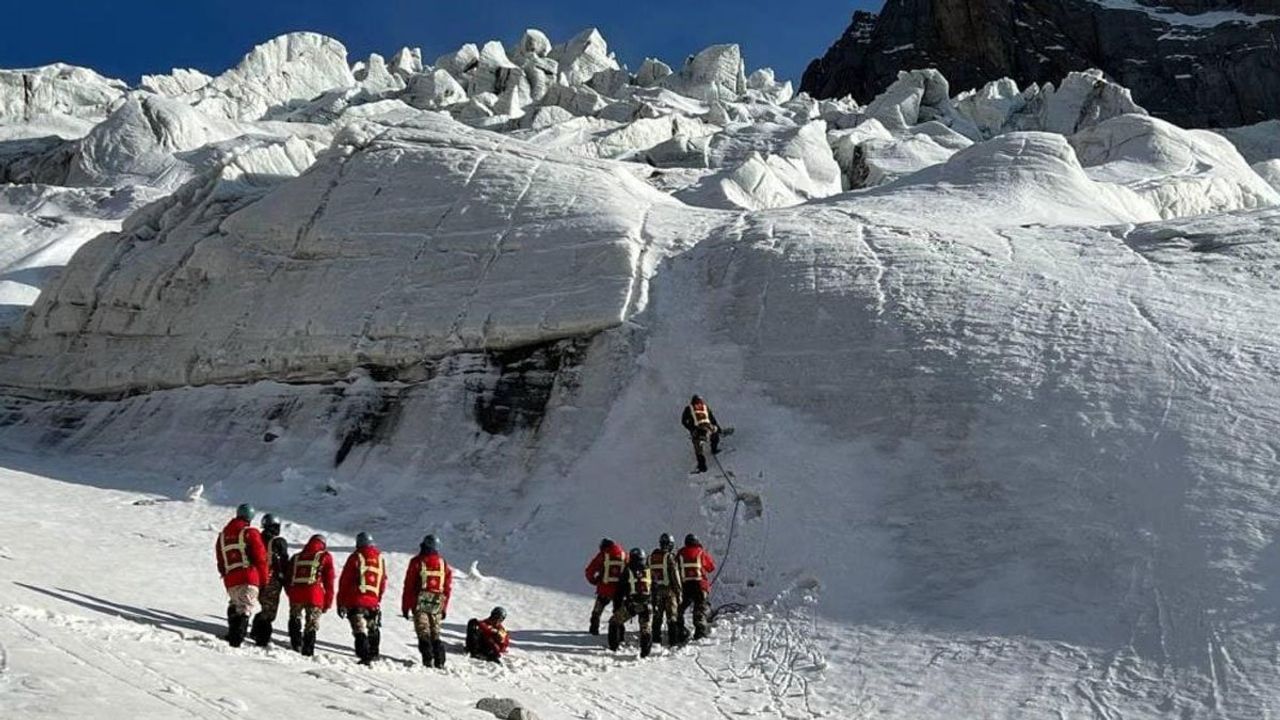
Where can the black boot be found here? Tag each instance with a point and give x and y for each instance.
(699, 632)
(375, 644)
(362, 648)
(594, 628)
(261, 632)
(473, 639)
(646, 644)
(616, 632)
(438, 652)
(677, 633)
(295, 635)
(428, 653)
(239, 626)
(309, 644)
(231, 623)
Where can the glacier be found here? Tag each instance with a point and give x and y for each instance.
(1001, 364)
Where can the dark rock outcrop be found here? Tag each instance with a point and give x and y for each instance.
(1185, 69)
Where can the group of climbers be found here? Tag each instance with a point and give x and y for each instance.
(256, 567)
(656, 589)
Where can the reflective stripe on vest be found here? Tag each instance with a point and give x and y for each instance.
(658, 567)
(691, 569)
(311, 568)
(701, 415)
(639, 584)
(370, 575)
(426, 575)
(239, 546)
(613, 569)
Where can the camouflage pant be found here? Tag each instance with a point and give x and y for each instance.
(695, 597)
(364, 621)
(243, 599)
(271, 601)
(426, 623)
(699, 437)
(309, 615)
(666, 608)
(624, 611)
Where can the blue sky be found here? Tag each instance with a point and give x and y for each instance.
(126, 38)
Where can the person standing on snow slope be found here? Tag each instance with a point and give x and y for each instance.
(631, 599)
(360, 590)
(703, 428)
(603, 572)
(665, 574)
(278, 564)
(696, 567)
(488, 639)
(310, 593)
(428, 585)
(242, 564)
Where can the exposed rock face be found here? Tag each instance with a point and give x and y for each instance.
(1201, 63)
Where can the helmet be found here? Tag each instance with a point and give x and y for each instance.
(364, 540)
(666, 542)
(635, 557)
(429, 544)
(498, 613)
(696, 399)
(605, 543)
(270, 521)
(691, 540)
(244, 511)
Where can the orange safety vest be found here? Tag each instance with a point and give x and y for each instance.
(431, 581)
(692, 569)
(371, 575)
(613, 569)
(701, 415)
(307, 572)
(658, 562)
(237, 549)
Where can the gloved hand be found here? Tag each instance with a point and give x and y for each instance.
(342, 612)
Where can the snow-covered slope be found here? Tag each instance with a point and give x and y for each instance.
(1003, 421)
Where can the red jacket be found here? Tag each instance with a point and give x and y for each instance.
(696, 565)
(241, 556)
(605, 568)
(311, 577)
(364, 580)
(430, 574)
(494, 635)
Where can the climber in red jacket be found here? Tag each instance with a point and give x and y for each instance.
(696, 567)
(360, 590)
(488, 639)
(603, 572)
(428, 585)
(242, 563)
(310, 593)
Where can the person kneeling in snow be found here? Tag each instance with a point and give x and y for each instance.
(242, 563)
(631, 600)
(310, 593)
(364, 580)
(487, 639)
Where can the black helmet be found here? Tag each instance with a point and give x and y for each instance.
(269, 521)
(636, 558)
(364, 540)
(244, 511)
(666, 542)
(498, 613)
(696, 399)
(429, 544)
(605, 543)
(691, 540)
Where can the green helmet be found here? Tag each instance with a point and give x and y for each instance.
(498, 613)
(244, 511)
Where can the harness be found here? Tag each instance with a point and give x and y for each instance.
(639, 583)
(307, 572)
(239, 547)
(426, 575)
(371, 575)
(701, 415)
(613, 568)
(658, 563)
(692, 569)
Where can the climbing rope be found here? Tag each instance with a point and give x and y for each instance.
(728, 548)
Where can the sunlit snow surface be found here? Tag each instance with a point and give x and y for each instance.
(1001, 366)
